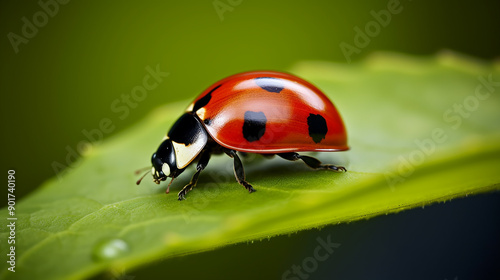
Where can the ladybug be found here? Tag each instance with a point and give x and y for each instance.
(263, 112)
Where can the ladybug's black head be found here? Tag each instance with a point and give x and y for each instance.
(163, 161)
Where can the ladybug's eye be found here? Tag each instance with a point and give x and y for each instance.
(157, 163)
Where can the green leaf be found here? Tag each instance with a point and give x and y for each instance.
(422, 130)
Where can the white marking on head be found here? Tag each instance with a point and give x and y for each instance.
(201, 113)
(184, 155)
(152, 171)
(190, 108)
(166, 169)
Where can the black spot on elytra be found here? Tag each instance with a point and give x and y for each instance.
(317, 127)
(186, 129)
(207, 121)
(270, 84)
(202, 102)
(254, 125)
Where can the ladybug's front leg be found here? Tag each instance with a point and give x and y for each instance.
(239, 171)
(202, 163)
(312, 162)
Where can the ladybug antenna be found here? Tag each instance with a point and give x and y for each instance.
(142, 170)
(168, 187)
(139, 181)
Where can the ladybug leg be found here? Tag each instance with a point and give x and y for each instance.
(202, 163)
(312, 162)
(239, 171)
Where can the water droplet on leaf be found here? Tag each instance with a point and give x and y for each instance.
(109, 249)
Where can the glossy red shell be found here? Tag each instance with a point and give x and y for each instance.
(286, 114)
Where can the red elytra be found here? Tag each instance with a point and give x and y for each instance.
(285, 100)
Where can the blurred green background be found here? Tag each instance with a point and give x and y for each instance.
(65, 79)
